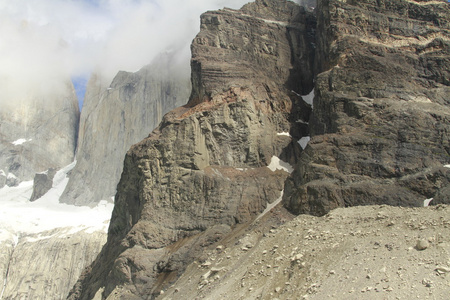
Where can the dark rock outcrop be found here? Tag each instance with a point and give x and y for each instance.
(42, 183)
(203, 170)
(115, 117)
(381, 120)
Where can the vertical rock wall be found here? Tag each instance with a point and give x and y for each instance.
(381, 118)
(204, 168)
(38, 133)
(379, 131)
(116, 116)
(46, 265)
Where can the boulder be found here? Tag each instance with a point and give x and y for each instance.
(42, 183)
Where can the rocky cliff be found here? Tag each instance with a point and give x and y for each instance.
(204, 168)
(116, 115)
(381, 120)
(47, 264)
(37, 133)
(45, 244)
(379, 127)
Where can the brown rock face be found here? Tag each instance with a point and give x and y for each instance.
(204, 169)
(379, 129)
(381, 118)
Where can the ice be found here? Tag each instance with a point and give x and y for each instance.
(309, 98)
(19, 216)
(278, 164)
(20, 141)
(304, 141)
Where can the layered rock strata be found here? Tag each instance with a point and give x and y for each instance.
(379, 132)
(203, 170)
(116, 116)
(381, 120)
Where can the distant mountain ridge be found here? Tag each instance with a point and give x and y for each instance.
(114, 117)
(38, 133)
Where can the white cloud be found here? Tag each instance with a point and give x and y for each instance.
(45, 42)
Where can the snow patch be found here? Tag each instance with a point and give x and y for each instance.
(278, 164)
(296, 93)
(11, 176)
(243, 169)
(447, 166)
(304, 141)
(5, 235)
(284, 133)
(20, 216)
(270, 206)
(20, 141)
(309, 98)
(426, 202)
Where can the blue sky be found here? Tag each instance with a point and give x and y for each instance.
(80, 83)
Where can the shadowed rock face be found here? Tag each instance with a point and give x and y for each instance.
(115, 117)
(38, 133)
(381, 118)
(379, 131)
(203, 169)
(42, 183)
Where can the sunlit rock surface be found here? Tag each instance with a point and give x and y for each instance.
(115, 116)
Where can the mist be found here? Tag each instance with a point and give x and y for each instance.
(45, 43)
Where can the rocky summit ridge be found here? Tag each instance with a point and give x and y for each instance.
(378, 131)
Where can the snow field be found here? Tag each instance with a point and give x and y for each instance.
(20, 217)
